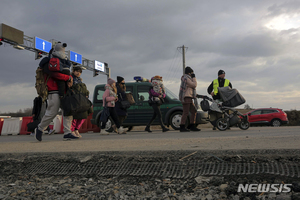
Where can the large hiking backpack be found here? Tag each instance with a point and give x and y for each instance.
(40, 84)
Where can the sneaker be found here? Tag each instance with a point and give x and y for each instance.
(103, 131)
(32, 134)
(51, 132)
(69, 136)
(121, 130)
(38, 134)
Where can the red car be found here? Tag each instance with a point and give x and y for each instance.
(267, 116)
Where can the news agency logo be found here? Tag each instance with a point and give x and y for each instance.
(264, 188)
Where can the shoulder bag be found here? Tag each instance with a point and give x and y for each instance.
(124, 103)
(105, 113)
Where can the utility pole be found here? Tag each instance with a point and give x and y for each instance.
(183, 56)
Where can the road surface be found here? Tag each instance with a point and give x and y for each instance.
(207, 139)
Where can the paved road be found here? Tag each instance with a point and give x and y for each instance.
(207, 139)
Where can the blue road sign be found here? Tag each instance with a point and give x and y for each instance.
(42, 45)
(75, 57)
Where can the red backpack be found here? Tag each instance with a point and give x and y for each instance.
(54, 64)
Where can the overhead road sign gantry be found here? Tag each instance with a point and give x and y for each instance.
(100, 66)
(42, 45)
(75, 57)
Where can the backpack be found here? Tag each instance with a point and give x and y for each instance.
(54, 64)
(40, 84)
(204, 105)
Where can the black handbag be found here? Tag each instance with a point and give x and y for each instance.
(124, 103)
(204, 105)
(32, 125)
(105, 113)
(73, 103)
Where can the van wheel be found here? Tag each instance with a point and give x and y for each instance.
(108, 126)
(175, 120)
(276, 122)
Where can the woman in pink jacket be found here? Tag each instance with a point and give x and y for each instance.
(187, 94)
(109, 100)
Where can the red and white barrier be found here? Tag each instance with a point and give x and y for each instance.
(11, 126)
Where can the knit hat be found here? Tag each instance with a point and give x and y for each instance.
(110, 81)
(59, 50)
(221, 72)
(156, 78)
(119, 79)
(188, 70)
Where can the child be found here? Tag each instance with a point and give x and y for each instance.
(65, 64)
(78, 86)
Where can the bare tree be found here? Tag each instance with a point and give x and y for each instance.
(247, 107)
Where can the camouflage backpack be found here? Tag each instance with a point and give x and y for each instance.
(40, 84)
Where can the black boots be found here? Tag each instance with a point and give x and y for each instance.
(148, 129)
(164, 129)
(193, 127)
(183, 129)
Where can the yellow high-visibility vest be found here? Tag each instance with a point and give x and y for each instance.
(216, 85)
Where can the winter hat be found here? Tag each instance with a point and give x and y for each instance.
(188, 70)
(156, 78)
(221, 72)
(119, 79)
(59, 50)
(110, 81)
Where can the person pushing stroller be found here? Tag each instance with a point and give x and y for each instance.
(213, 87)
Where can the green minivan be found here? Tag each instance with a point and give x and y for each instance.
(140, 113)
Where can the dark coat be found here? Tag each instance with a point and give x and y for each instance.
(81, 87)
(121, 97)
(37, 106)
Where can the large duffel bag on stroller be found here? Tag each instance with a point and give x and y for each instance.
(231, 97)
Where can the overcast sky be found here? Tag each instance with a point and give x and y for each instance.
(255, 42)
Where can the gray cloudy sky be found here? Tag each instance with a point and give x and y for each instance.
(255, 42)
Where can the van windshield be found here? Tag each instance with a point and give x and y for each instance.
(171, 94)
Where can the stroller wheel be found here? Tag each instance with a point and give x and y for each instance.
(222, 124)
(244, 125)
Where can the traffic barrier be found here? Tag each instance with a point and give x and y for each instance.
(57, 124)
(11, 126)
(25, 121)
(1, 124)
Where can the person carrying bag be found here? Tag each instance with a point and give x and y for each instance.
(156, 98)
(110, 99)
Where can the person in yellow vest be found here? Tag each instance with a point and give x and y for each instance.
(219, 82)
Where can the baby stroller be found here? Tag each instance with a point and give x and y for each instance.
(222, 114)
